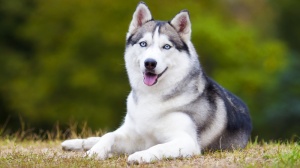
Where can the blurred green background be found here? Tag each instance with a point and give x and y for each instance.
(62, 60)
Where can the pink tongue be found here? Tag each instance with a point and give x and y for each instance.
(150, 79)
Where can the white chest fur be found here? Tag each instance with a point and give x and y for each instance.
(155, 121)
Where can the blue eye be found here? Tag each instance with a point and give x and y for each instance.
(143, 44)
(167, 47)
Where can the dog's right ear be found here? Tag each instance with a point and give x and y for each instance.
(141, 15)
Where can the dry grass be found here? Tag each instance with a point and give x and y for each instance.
(49, 154)
(42, 149)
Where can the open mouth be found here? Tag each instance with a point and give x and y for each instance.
(150, 78)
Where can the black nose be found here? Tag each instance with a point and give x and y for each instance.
(150, 63)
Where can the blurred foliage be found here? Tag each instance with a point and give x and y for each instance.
(282, 113)
(63, 60)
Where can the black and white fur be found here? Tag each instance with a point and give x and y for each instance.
(174, 109)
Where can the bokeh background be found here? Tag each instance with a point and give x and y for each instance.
(61, 61)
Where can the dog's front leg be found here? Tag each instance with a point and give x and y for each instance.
(116, 142)
(181, 146)
(103, 148)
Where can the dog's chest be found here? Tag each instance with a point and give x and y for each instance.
(155, 121)
(150, 113)
(148, 116)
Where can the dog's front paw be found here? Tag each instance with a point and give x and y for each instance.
(141, 157)
(73, 145)
(96, 154)
(100, 153)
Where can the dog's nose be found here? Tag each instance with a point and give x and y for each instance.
(150, 63)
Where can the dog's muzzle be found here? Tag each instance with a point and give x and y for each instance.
(150, 77)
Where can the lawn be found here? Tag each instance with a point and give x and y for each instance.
(37, 153)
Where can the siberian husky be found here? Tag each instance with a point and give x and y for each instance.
(173, 110)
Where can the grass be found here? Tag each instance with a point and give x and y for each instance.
(34, 150)
(49, 154)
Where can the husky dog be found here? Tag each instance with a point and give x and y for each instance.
(174, 109)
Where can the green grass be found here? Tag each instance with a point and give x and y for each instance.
(27, 149)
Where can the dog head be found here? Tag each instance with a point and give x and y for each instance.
(157, 52)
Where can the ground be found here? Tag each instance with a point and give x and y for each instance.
(37, 153)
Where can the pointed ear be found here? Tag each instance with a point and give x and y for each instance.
(181, 22)
(141, 15)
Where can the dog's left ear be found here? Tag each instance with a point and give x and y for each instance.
(141, 15)
(182, 24)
